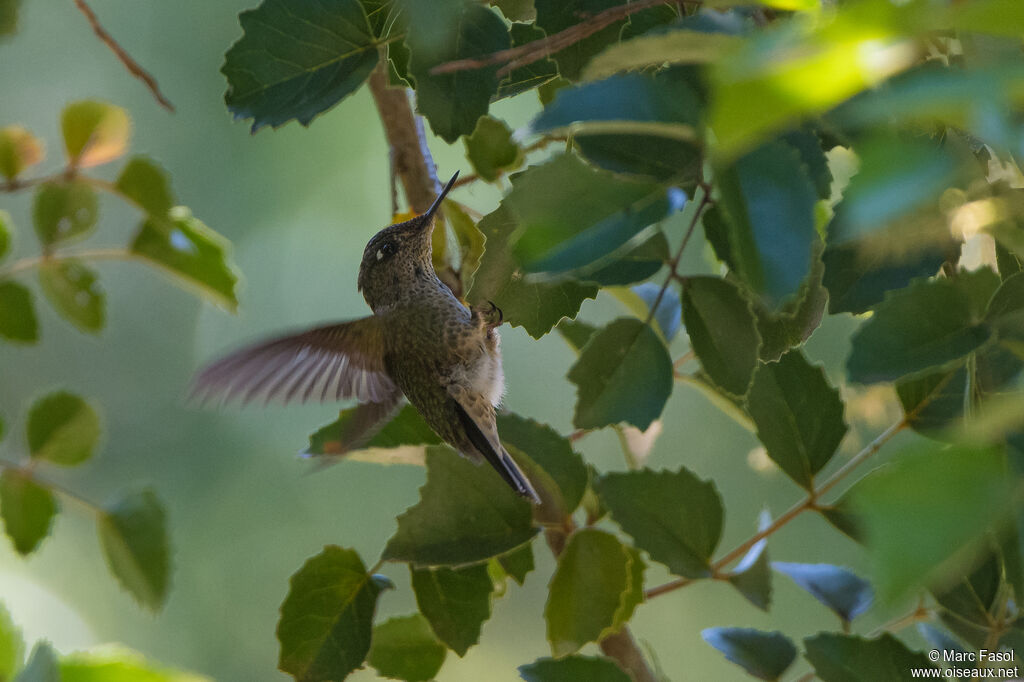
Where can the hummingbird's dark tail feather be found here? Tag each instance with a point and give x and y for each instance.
(501, 461)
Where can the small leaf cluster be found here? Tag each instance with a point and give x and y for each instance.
(65, 212)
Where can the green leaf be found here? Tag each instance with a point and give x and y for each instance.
(571, 216)
(752, 576)
(765, 655)
(534, 306)
(17, 316)
(518, 562)
(116, 664)
(576, 333)
(672, 44)
(453, 102)
(491, 149)
(405, 428)
(639, 299)
(94, 132)
(551, 451)
(722, 331)
(327, 618)
(636, 265)
(573, 669)
(62, 429)
(133, 534)
(590, 587)
(27, 509)
(405, 649)
(74, 291)
(516, 10)
(64, 211)
(673, 516)
(12, 645)
(972, 598)
(624, 374)
(846, 658)
(5, 233)
(466, 514)
(297, 61)
(835, 587)
(9, 17)
(42, 665)
(932, 528)
(557, 15)
(927, 325)
(147, 184)
(797, 319)
(19, 149)
(532, 75)
(808, 145)
(186, 248)
(766, 219)
(470, 239)
(799, 416)
(456, 602)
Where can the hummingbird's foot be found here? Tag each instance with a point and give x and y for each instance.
(490, 315)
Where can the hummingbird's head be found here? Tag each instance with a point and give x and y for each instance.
(398, 256)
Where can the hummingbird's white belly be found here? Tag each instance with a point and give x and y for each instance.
(484, 374)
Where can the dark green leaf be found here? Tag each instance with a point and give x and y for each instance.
(9, 17)
(343, 435)
(64, 211)
(133, 534)
(673, 516)
(927, 325)
(466, 514)
(19, 149)
(518, 562)
(62, 429)
(12, 645)
(573, 669)
(806, 142)
(297, 61)
(42, 665)
(576, 333)
(669, 314)
(765, 655)
(835, 587)
(94, 132)
(27, 509)
(799, 416)
(17, 316)
(556, 15)
(943, 641)
(636, 265)
(722, 331)
(550, 451)
(572, 217)
(381, 16)
(74, 291)
(532, 75)
(589, 590)
(516, 10)
(5, 233)
(684, 42)
(973, 597)
(189, 250)
(147, 184)
(405, 649)
(534, 306)
(932, 528)
(491, 149)
(752, 576)
(624, 374)
(327, 617)
(456, 602)
(766, 220)
(846, 658)
(796, 320)
(452, 102)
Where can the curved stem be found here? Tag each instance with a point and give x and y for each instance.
(674, 263)
(28, 471)
(113, 253)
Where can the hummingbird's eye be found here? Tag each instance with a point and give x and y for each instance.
(386, 249)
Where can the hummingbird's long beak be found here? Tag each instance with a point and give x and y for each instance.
(428, 216)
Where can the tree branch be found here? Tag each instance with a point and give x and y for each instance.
(126, 59)
(516, 57)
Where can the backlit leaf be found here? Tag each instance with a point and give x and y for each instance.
(404, 648)
(94, 132)
(62, 429)
(133, 534)
(147, 184)
(27, 509)
(19, 149)
(74, 291)
(64, 211)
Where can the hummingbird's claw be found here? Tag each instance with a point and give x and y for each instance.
(490, 314)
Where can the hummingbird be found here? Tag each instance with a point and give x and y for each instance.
(421, 342)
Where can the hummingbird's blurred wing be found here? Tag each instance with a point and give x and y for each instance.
(326, 363)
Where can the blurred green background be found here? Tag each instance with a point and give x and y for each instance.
(298, 205)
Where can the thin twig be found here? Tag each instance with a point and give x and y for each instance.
(28, 471)
(126, 59)
(539, 144)
(517, 57)
(114, 253)
(674, 263)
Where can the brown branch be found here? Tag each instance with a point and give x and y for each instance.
(516, 57)
(126, 59)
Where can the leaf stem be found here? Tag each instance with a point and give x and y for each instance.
(30, 262)
(28, 471)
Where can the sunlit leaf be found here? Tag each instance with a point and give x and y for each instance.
(847, 658)
(27, 509)
(62, 429)
(327, 618)
(133, 534)
(404, 648)
(19, 149)
(765, 655)
(74, 291)
(722, 330)
(456, 603)
(117, 664)
(42, 665)
(834, 586)
(466, 514)
(673, 516)
(573, 669)
(94, 132)
(12, 645)
(64, 211)
(624, 374)
(147, 184)
(17, 315)
(297, 61)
